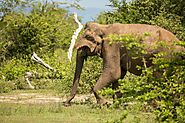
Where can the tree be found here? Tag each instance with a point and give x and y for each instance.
(8, 6)
(44, 29)
(156, 12)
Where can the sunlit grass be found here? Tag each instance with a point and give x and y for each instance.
(77, 113)
(86, 112)
(48, 113)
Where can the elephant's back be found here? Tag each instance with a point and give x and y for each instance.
(152, 35)
(141, 29)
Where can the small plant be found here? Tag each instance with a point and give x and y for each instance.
(6, 87)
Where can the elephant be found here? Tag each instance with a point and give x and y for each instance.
(116, 58)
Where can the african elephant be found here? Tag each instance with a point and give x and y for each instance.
(116, 59)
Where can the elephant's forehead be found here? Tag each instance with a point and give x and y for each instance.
(89, 32)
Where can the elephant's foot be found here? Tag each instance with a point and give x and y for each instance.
(66, 104)
(68, 101)
(103, 101)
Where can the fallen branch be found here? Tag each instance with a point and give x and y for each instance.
(40, 61)
(27, 76)
(74, 37)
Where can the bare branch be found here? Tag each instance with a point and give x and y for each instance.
(40, 61)
(74, 37)
(27, 76)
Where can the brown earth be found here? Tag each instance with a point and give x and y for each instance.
(37, 98)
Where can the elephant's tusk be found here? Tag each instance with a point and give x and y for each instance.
(74, 37)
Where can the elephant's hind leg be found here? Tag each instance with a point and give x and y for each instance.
(116, 84)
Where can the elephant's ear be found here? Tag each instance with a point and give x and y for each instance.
(85, 43)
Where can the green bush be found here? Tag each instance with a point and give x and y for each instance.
(44, 30)
(67, 71)
(6, 86)
(14, 69)
(39, 32)
(160, 88)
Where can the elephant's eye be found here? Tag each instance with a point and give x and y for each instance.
(90, 38)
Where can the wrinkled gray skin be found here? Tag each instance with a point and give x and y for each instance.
(116, 59)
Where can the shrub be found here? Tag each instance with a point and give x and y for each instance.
(44, 30)
(161, 86)
(6, 86)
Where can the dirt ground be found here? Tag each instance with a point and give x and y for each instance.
(38, 98)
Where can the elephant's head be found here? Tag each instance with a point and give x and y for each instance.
(89, 44)
(92, 39)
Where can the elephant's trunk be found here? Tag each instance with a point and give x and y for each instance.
(79, 65)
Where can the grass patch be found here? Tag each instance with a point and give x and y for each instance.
(77, 113)
(53, 113)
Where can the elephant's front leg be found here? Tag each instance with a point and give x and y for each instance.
(111, 69)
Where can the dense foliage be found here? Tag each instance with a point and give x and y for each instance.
(165, 94)
(9, 6)
(46, 29)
